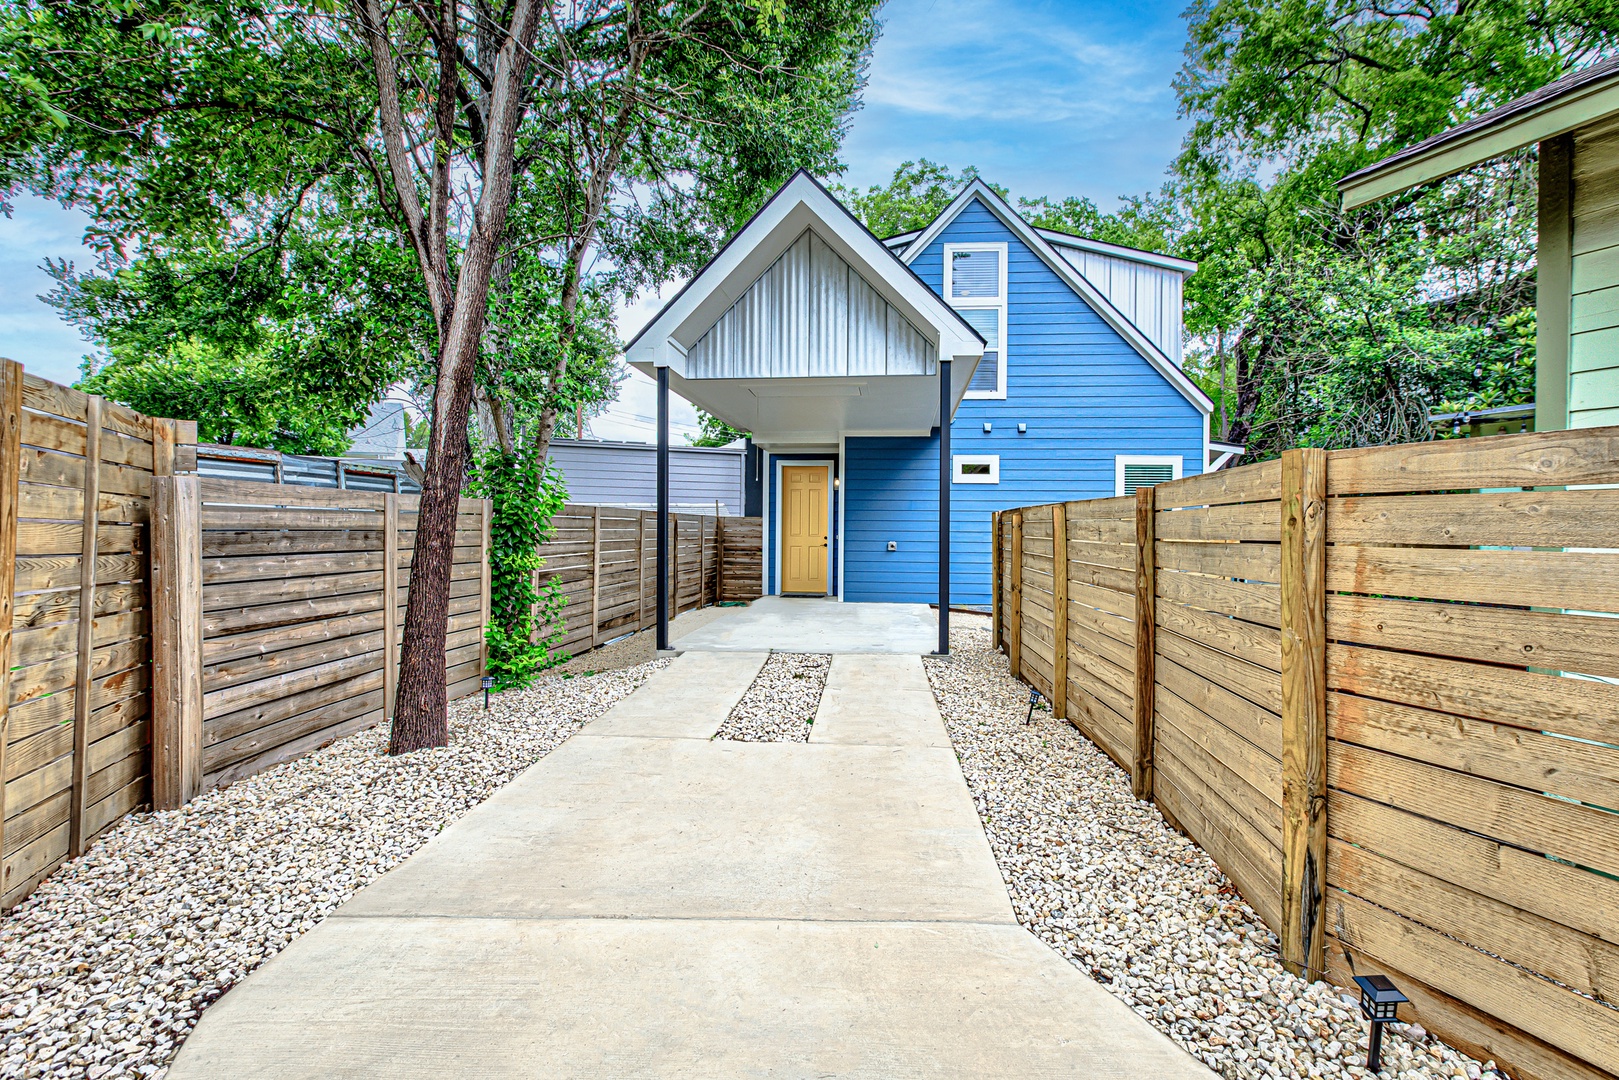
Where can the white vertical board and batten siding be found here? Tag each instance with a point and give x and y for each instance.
(1593, 360)
(1149, 296)
(810, 314)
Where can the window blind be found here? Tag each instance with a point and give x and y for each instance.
(975, 275)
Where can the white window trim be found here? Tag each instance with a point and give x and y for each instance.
(958, 460)
(1121, 460)
(983, 303)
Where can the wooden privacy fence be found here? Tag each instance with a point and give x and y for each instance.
(1381, 688)
(605, 558)
(302, 614)
(76, 479)
(273, 614)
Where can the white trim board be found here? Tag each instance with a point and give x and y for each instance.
(831, 495)
(1038, 244)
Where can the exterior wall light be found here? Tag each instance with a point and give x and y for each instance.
(1023, 429)
(988, 428)
(1380, 999)
(488, 684)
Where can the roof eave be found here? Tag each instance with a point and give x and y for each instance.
(1449, 154)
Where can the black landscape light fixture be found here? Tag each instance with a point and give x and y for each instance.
(1034, 696)
(1380, 999)
(488, 684)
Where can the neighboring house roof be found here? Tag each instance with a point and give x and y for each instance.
(1574, 101)
(1044, 248)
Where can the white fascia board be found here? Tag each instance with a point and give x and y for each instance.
(800, 204)
(1184, 267)
(1073, 278)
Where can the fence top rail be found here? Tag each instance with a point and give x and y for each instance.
(259, 493)
(1537, 459)
(44, 396)
(1118, 508)
(1247, 483)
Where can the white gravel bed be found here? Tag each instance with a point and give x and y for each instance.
(105, 968)
(1109, 884)
(780, 704)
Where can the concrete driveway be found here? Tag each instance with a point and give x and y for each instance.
(647, 901)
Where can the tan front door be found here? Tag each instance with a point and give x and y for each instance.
(804, 517)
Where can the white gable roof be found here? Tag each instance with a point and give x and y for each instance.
(801, 206)
(1043, 243)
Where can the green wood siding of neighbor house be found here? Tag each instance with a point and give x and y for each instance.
(1577, 356)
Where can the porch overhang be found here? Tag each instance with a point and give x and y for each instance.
(815, 412)
(805, 329)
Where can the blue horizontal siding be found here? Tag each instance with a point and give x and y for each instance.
(891, 492)
(1085, 396)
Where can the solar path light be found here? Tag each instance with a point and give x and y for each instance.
(488, 683)
(1379, 1000)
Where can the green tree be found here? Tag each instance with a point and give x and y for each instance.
(712, 431)
(624, 135)
(914, 196)
(1338, 329)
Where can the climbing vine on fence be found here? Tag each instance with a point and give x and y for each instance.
(525, 621)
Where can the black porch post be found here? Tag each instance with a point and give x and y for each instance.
(663, 508)
(944, 507)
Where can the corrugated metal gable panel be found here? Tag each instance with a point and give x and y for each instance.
(1149, 296)
(810, 314)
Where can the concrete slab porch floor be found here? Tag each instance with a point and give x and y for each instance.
(815, 625)
(649, 901)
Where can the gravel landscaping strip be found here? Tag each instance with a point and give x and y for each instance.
(1108, 883)
(780, 704)
(105, 969)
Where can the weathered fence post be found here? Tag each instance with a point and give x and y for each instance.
(10, 475)
(640, 569)
(390, 603)
(995, 566)
(176, 641)
(84, 671)
(486, 586)
(1141, 761)
(1059, 602)
(1304, 709)
(1014, 638)
(595, 577)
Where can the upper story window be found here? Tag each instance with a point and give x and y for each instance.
(975, 285)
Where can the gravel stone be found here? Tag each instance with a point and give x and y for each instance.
(106, 968)
(780, 704)
(1111, 886)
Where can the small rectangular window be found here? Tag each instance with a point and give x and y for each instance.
(1131, 472)
(976, 468)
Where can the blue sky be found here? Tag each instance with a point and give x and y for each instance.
(1054, 98)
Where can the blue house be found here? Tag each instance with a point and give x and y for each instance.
(1052, 360)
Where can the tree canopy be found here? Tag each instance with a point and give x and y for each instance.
(1308, 325)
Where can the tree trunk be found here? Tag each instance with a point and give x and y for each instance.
(421, 717)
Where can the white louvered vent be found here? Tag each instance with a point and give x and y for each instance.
(1140, 476)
